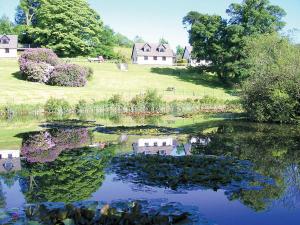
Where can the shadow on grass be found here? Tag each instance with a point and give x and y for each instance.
(191, 75)
(18, 76)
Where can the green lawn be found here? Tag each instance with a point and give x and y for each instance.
(107, 81)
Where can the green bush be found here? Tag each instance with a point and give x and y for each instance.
(57, 106)
(152, 100)
(81, 106)
(116, 100)
(271, 93)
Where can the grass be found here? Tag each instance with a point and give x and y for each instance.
(108, 81)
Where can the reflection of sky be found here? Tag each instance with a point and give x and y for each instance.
(212, 205)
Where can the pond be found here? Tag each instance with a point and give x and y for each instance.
(207, 169)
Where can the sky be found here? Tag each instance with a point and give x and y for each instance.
(155, 19)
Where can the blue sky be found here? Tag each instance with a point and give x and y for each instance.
(162, 18)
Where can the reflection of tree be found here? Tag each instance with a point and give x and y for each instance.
(192, 172)
(45, 146)
(2, 197)
(272, 149)
(73, 176)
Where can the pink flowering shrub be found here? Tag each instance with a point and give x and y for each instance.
(69, 75)
(46, 146)
(43, 65)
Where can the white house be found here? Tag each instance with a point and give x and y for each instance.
(10, 161)
(152, 146)
(187, 54)
(8, 46)
(152, 54)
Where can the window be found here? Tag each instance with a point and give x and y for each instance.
(162, 152)
(148, 50)
(147, 144)
(7, 50)
(5, 41)
(164, 143)
(155, 57)
(145, 57)
(10, 156)
(155, 144)
(162, 50)
(164, 58)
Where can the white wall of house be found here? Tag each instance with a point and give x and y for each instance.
(187, 56)
(151, 61)
(155, 142)
(12, 53)
(4, 154)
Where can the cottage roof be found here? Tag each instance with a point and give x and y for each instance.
(154, 50)
(12, 41)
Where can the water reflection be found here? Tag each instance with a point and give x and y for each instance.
(160, 146)
(238, 164)
(10, 161)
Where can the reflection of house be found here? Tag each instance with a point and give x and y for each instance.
(187, 54)
(161, 146)
(204, 141)
(152, 54)
(10, 161)
(8, 46)
(151, 146)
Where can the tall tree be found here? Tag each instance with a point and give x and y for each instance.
(179, 51)
(222, 42)
(6, 26)
(70, 28)
(26, 12)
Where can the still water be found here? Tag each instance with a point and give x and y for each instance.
(225, 172)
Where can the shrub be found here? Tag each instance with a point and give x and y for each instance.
(271, 92)
(37, 72)
(116, 100)
(57, 106)
(90, 73)
(40, 55)
(152, 100)
(81, 106)
(69, 75)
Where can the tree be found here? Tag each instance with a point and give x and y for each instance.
(6, 26)
(26, 12)
(70, 28)
(179, 51)
(222, 42)
(123, 41)
(163, 41)
(272, 91)
(138, 39)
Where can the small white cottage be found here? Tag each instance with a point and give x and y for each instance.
(8, 46)
(152, 54)
(187, 55)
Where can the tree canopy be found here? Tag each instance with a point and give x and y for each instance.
(70, 28)
(6, 26)
(222, 42)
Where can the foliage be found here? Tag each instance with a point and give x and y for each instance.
(62, 26)
(138, 39)
(39, 55)
(56, 106)
(151, 101)
(36, 72)
(222, 42)
(46, 146)
(6, 26)
(116, 100)
(271, 92)
(123, 41)
(69, 75)
(179, 51)
(73, 176)
(43, 65)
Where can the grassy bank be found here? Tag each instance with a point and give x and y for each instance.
(108, 80)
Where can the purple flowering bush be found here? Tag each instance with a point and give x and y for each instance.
(37, 72)
(69, 75)
(40, 55)
(43, 65)
(46, 146)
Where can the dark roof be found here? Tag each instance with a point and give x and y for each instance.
(139, 48)
(12, 43)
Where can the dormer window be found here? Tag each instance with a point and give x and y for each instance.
(4, 40)
(147, 48)
(161, 48)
